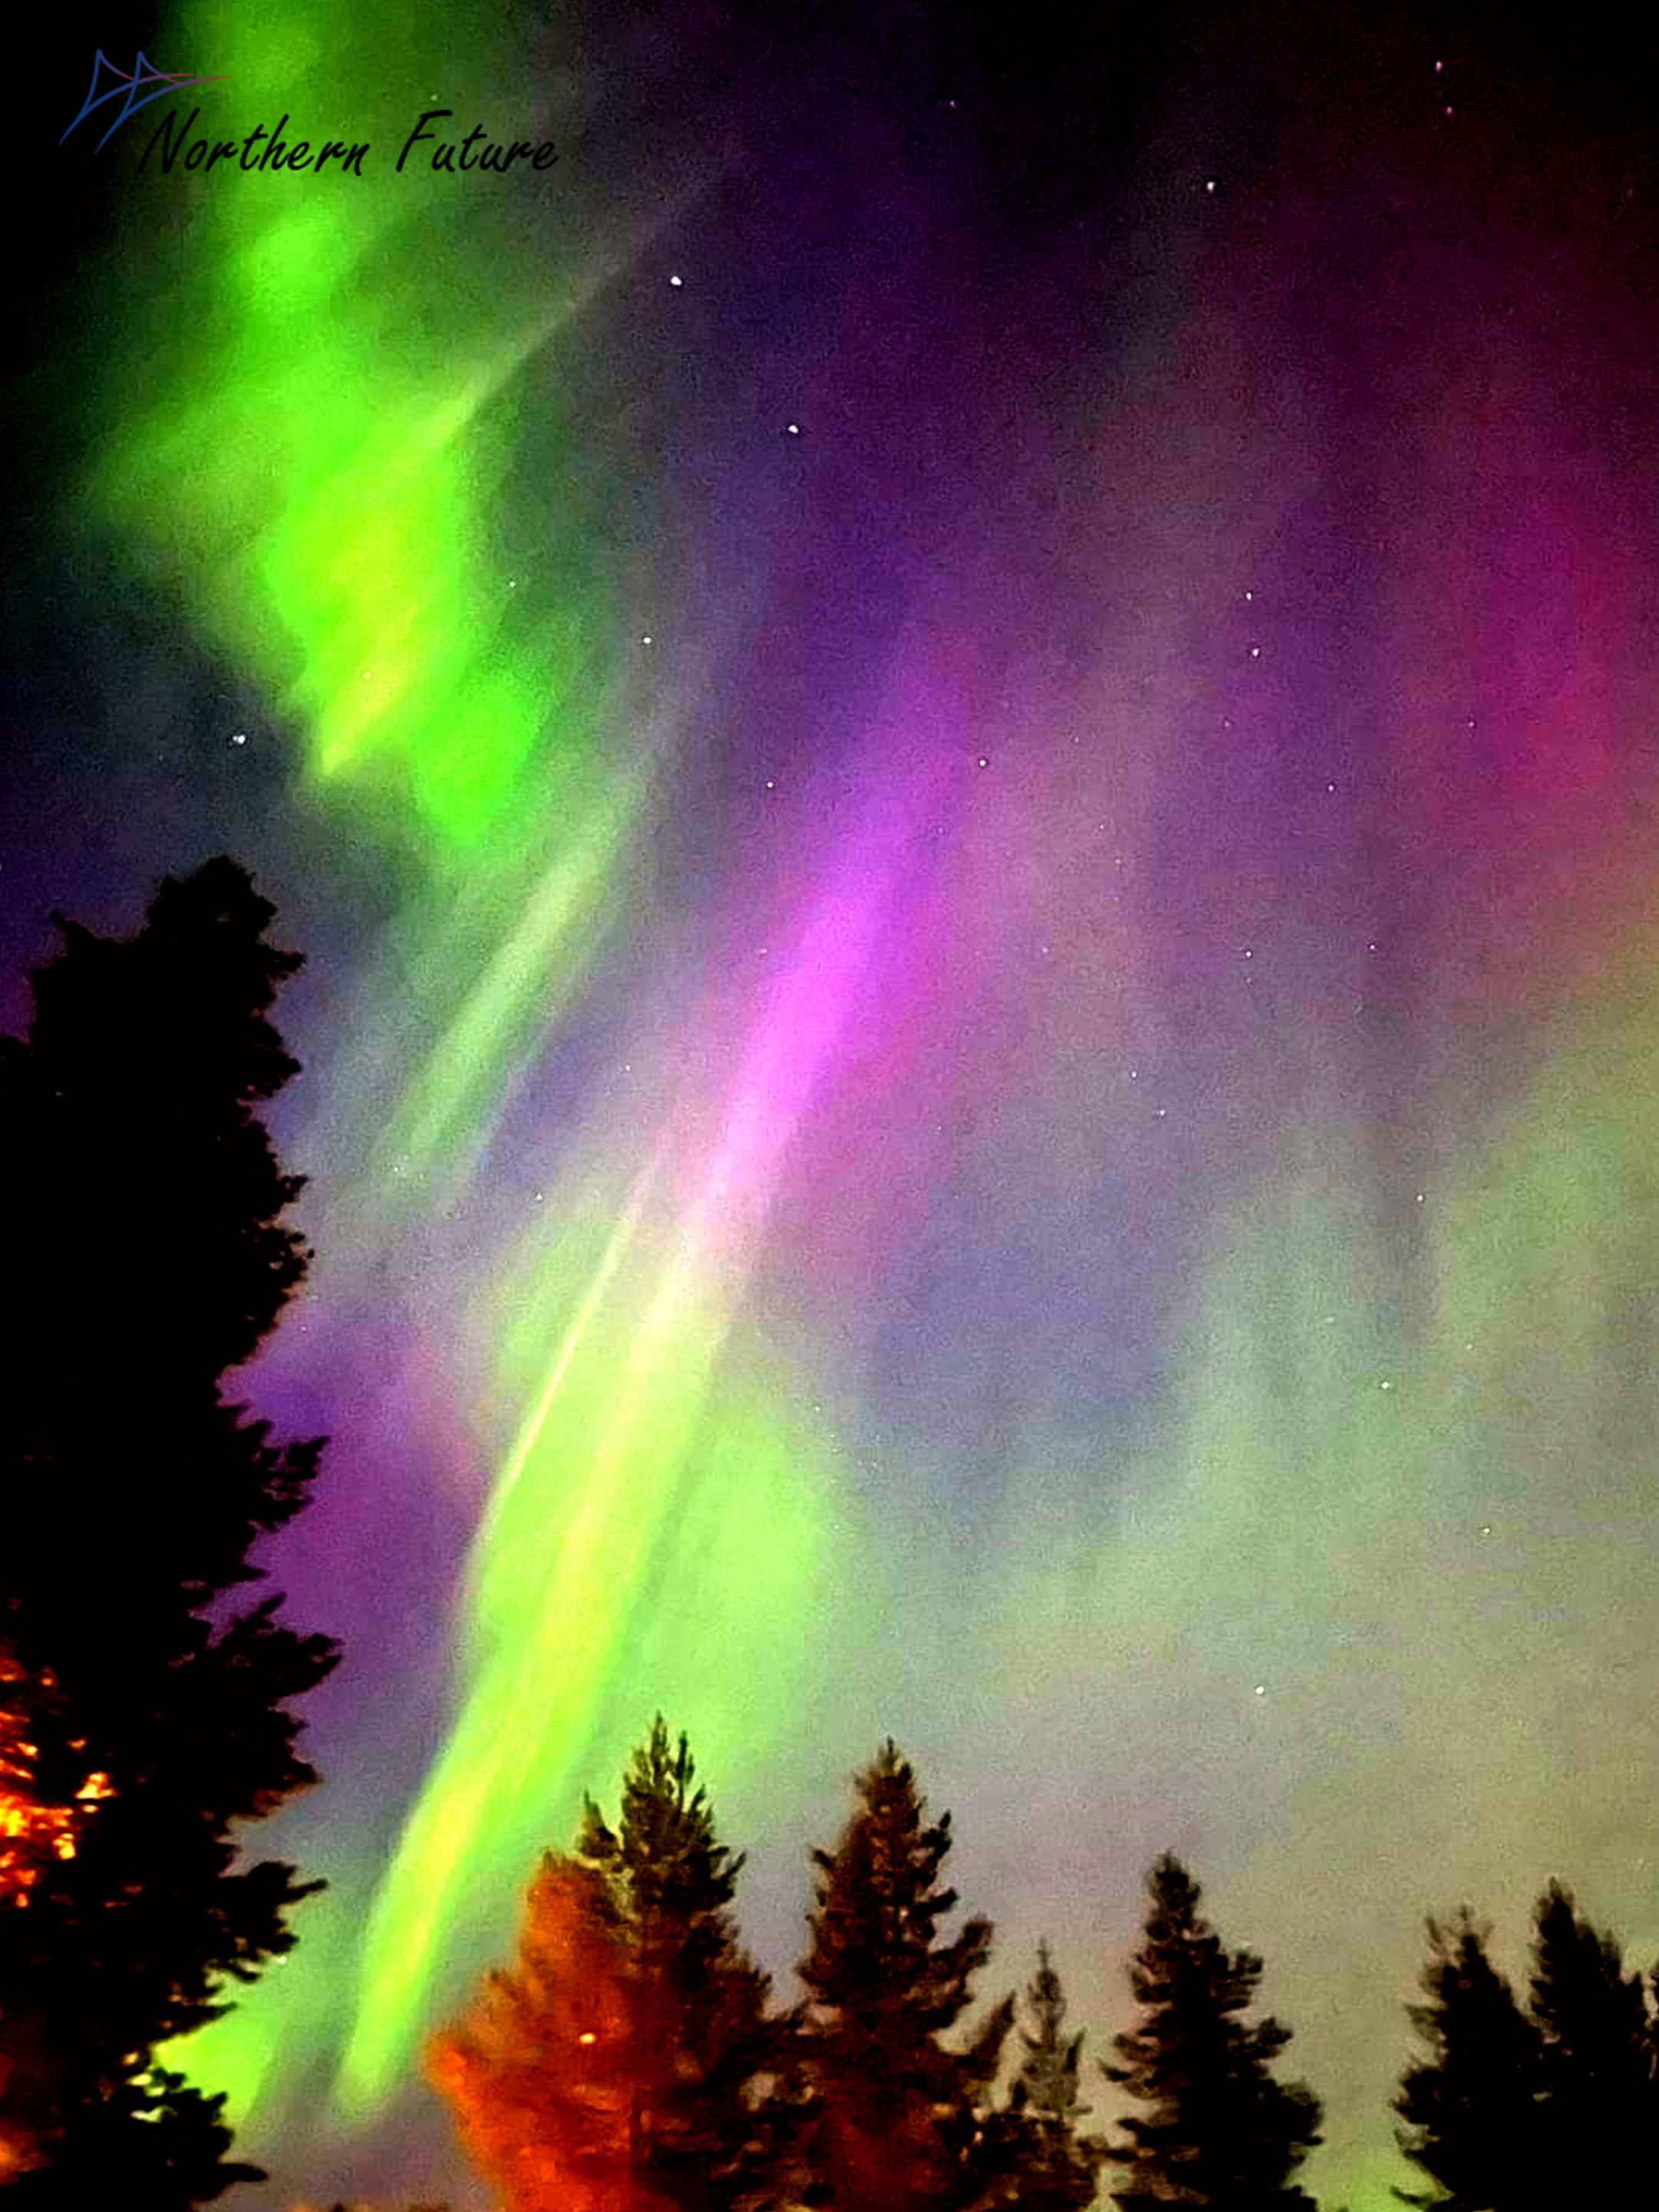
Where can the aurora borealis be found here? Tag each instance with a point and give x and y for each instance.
(961, 726)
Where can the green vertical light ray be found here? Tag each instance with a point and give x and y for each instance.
(628, 1460)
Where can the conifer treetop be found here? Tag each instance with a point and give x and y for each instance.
(1047, 2084)
(1215, 2128)
(876, 1948)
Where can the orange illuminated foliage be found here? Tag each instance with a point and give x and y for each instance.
(34, 1829)
(538, 2074)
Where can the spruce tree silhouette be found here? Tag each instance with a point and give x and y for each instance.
(1470, 2105)
(1048, 2164)
(1513, 2111)
(144, 1715)
(1595, 2105)
(1217, 2131)
(895, 2120)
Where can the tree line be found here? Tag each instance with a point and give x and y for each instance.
(633, 2056)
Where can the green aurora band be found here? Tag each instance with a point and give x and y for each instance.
(327, 412)
(326, 418)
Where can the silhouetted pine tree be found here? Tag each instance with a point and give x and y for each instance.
(1217, 2131)
(142, 1717)
(1054, 2168)
(1594, 2108)
(1469, 2106)
(702, 2041)
(895, 2121)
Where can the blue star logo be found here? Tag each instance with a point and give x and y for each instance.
(135, 90)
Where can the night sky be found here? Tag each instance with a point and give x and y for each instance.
(961, 725)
